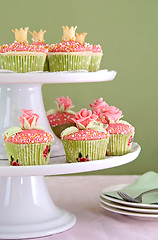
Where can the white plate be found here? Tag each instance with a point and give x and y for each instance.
(115, 200)
(128, 208)
(143, 216)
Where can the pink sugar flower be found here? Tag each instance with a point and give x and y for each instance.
(98, 105)
(29, 119)
(84, 117)
(64, 101)
(110, 114)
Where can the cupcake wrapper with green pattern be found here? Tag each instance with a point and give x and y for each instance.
(58, 129)
(68, 62)
(92, 149)
(28, 154)
(95, 63)
(22, 64)
(46, 65)
(119, 144)
(0, 62)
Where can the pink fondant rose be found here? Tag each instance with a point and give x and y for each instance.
(98, 105)
(84, 117)
(66, 102)
(29, 119)
(110, 114)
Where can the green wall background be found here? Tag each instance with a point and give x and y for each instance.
(128, 33)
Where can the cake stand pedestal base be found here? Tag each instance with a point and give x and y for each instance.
(27, 210)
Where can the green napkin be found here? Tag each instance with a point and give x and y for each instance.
(144, 183)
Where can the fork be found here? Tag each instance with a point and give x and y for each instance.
(137, 199)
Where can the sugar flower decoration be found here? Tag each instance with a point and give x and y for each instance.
(110, 114)
(106, 114)
(64, 104)
(29, 119)
(84, 118)
(98, 105)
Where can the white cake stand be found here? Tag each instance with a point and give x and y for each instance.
(26, 208)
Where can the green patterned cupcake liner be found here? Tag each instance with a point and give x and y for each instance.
(92, 149)
(58, 129)
(68, 62)
(0, 62)
(119, 144)
(95, 63)
(23, 63)
(28, 154)
(46, 65)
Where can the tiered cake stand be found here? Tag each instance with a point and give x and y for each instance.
(26, 208)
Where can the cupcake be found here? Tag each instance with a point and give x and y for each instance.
(61, 118)
(22, 57)
(68, 55)
(38, 40)
(121, 133)
(28, 145)
(87, 141)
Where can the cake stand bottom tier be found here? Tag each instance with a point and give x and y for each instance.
(27, 210)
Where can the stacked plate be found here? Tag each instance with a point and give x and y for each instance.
(137, 210)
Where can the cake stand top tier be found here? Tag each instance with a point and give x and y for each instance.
(7, 76)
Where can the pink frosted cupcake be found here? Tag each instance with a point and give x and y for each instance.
(121, 133)
(22, 57)
(69, 55)
(28, 145)
(61, 118)
(38, 40)
(87, 141)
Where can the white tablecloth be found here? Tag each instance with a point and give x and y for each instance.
(80, 195)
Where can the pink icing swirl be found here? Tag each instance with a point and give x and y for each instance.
(28, 119)
(64, 101)
(68, 46)
(84, 117)
(98, 105)
(109, 114)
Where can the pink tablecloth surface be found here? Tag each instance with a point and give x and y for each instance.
(80, 195)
